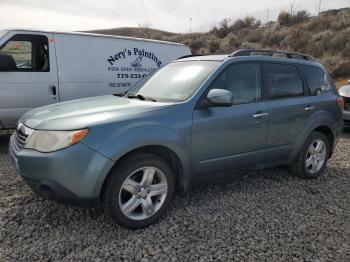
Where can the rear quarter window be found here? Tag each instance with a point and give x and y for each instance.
(316, 79)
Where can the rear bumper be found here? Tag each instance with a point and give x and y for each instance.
(72, 176)
(346, 118)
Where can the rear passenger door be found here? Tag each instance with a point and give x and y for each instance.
(289, 108)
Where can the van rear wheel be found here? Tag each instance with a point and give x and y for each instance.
(139, 190)
(312, 160)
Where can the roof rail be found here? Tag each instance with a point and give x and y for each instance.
(291, 55)
(187, 56)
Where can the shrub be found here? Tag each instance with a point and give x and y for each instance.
(254, 35)
(284, 19)
(249, 45)
(229, 44)
(213, 45)
(301, 17)
(223, 29)
(332, 62)
(247, 22)
(342, 69)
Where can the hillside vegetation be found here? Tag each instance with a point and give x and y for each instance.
(326, 37)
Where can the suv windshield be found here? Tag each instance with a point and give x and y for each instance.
(174, 82)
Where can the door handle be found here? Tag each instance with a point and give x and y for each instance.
(53, 90)
(260, 115)
(309, 108)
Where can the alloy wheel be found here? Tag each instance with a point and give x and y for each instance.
(316, 156)
(143, 193)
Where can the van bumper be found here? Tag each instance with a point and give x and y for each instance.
(72, 176)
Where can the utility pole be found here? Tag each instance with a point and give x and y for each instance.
(319, 7)
(190, 25)
(292, 4)
(267, 15)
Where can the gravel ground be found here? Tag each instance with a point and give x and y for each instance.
(268, 215)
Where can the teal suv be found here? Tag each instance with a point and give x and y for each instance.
(193, 118)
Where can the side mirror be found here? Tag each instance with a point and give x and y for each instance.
(220, 98)
(7, 63)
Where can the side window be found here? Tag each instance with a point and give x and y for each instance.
(21, 52)
(316, 79)
(283, 81)
(243, 80)
(28, 52)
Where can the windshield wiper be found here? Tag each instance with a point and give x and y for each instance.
(141, 97)
(120, 94)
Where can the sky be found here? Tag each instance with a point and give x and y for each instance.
(169, 15)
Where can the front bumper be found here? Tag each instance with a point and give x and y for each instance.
(72, 176)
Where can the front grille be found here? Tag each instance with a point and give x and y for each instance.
(21, 135)
(20, 138)
(346, 103)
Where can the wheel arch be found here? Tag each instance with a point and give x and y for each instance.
(324, 127)
(163, 152)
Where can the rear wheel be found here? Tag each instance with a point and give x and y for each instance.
(139, 191)
(312, 160)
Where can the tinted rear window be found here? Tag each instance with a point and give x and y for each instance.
(283, 81)
(316, 79)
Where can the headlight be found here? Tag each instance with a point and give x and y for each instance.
(49, 141)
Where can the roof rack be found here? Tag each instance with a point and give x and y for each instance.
(187, 56)
(291, 55)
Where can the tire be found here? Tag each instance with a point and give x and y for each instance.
(308, 166)
(128, 194)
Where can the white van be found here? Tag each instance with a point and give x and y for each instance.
(39, 67)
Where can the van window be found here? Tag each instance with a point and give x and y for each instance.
(243, 80)
(29, 53)
(283, 81)
(21, 52)
(316, 79)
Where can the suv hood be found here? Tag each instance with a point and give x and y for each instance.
(81, 113)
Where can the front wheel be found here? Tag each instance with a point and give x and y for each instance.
(312, 160)
(139, 191)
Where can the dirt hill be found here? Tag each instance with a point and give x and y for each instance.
(326, 37)
(140, 32)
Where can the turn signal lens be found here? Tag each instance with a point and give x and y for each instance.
(78, 136)
(340, 103)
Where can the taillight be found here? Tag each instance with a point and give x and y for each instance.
(340, 103)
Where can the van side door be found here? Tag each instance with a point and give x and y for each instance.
(32, 82)
(225, 138)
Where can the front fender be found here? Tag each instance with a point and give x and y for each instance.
(117, 146)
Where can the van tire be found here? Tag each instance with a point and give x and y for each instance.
(299, 165)
(112, 191)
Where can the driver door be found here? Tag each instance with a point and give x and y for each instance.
(33, 82)
(225, 138)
